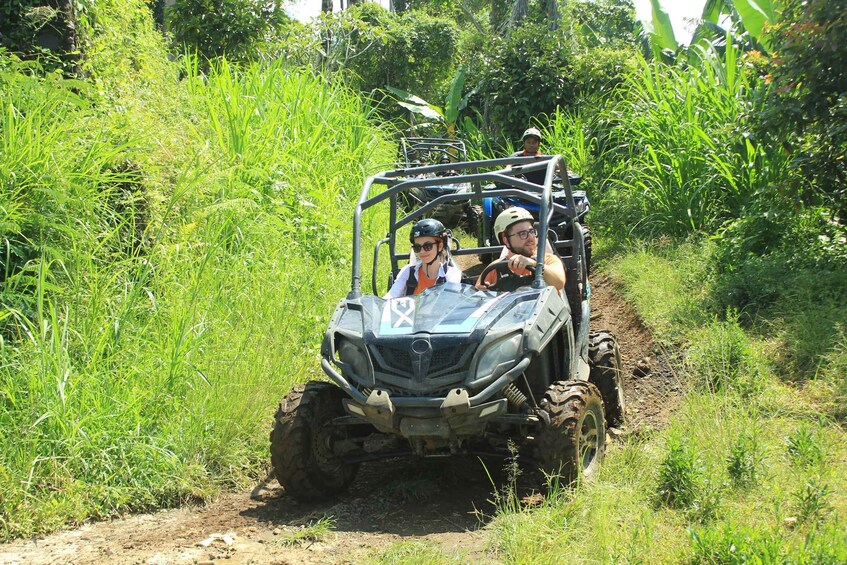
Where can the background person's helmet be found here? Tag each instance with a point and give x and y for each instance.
(428, 228)
(531, 132)
(509, 217)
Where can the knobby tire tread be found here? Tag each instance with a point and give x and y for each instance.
(292, 454)
(605, 362)
(558, 449)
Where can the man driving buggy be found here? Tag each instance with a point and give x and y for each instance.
(516, 230)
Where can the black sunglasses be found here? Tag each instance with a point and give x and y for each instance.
(523, 234)
(426, 246)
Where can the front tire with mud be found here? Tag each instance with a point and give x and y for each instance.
(302, 443)
(604, 358)
(572, 444)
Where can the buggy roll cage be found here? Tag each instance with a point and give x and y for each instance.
(504, 176)
(414, 151)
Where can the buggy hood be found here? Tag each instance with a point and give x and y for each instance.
(449, 308)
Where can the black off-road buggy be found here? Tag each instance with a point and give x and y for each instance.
(418, 152)
(455, 370)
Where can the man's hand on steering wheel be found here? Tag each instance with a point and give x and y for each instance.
(506, 275)
(518, 263)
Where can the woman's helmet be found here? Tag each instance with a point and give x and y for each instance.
(509, 217)
(531, 132)
(428, 228)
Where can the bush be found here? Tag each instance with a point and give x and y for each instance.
(745, 463)
(807, 103)
(231, 28)
(374, 48)
(528, 73)
(680, 476)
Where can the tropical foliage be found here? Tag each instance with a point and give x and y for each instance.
(174, 228)
(149, 256)
(807, 106)
(230, 28)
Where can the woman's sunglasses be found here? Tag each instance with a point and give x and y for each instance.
(426, 246)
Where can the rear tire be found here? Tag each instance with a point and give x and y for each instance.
(572, 444)
(302, 443)
(476, 216)
(604, 357)
(586, 236)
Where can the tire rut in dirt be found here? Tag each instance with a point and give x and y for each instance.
(302, 440)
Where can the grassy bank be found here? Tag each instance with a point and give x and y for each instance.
(174, 245)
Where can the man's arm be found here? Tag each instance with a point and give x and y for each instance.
(554, 271)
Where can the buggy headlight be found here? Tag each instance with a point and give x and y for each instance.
(499, 357)
(354, 360)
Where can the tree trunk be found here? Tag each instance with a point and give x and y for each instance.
(552, 12)
(519, 11)
(498, 14)
(326, 6)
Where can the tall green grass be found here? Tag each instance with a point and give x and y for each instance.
(670, 154)
(176, 278)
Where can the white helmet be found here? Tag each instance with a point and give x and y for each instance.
(509, 217)
(531, 132)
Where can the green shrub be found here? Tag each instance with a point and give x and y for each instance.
(599, 73)
(811, 502)
(680, 475)
(745, 463)
(805, 446)
(527, 75)
(374, 48)
(807, 103)
(730, 544)
(223, 28)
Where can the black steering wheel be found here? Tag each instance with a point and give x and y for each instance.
(507, 280)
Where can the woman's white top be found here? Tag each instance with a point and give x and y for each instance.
(450, 272)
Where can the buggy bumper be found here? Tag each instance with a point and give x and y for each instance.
(453, 414)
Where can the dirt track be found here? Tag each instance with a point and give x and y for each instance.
(446, 502)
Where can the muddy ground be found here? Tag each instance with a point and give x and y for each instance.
(445, 502)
